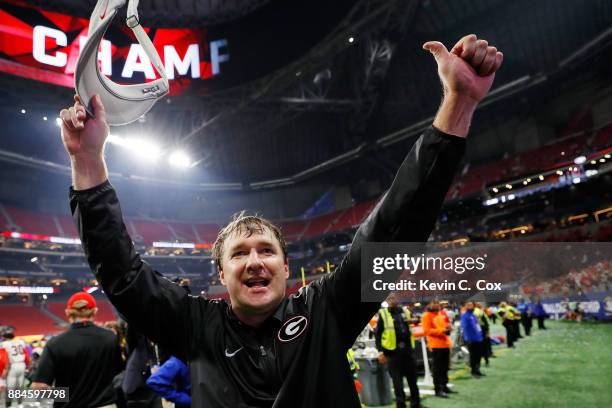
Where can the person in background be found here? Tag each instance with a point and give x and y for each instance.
(516, 320)
(18, 360)
(171, 382)
(485, 326)
(506, 314)
(437, 328)
(395, 344)
(539, 313)
(85, 358)
(526, 317)
(472, 335)
(141, 357)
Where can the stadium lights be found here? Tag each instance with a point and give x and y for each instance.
(143, 147)
(576, 180)
(541, 177)
(495, 190)
(45, 118)
(602, 160)
(579, 160)
(559, 172)
(179, 159)
(593, 161)
(607, 156)
(508, 186)
(58, 121)
(23, 111)
(491, 201)
(351, 39)
(591, 173)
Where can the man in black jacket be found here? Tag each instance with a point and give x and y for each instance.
(264, 349)
(84, 359)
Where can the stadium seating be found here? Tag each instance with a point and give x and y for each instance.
(183, 231)
(603, 138)
(206, 232)
(27, 320)
(562, 151)
(33, 222)
(67, 225)
(293, 230)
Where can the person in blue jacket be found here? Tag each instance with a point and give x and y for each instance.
(539, 313)
(171, 382)
(472, 335)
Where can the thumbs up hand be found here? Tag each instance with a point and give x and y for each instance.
(468, 70)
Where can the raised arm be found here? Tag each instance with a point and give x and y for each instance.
(408, 210)
(151, 304)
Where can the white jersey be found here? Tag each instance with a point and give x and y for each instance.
(16, 351)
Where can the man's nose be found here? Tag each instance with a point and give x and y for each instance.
(254, 262)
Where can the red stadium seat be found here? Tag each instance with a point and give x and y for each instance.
(207, 232)
(151, 231)
(67, 225)
(27, 320)
(293, 230)
(182, 231)
(33, 222)
(603, 138)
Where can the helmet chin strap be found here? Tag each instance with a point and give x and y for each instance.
(123, 103)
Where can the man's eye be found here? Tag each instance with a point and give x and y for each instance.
(268, 251)
(238, 253)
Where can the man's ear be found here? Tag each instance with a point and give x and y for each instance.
(286, 270)
(222, 277)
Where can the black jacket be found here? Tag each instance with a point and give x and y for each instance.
(298, 357)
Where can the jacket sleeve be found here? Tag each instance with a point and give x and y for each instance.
(150, 303)
(407, 212)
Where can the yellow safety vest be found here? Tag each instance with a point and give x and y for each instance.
(388, 340)
(350, 355)
(509, 313)
(482, 316)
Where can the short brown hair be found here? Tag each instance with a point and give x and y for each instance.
(82, 313)
(248, 224)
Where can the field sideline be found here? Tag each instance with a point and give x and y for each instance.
(569, 365)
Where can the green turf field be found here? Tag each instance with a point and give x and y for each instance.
(568, 365)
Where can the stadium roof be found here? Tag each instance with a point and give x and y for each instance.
(343, 98)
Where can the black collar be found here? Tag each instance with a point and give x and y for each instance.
(278, 317)
(78, 325)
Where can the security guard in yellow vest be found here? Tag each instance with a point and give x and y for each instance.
(395, 344)
(510, 316)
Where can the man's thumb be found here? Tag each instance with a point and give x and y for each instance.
(438, 49)
(98, 109)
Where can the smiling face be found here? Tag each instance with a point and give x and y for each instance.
(254, 269)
